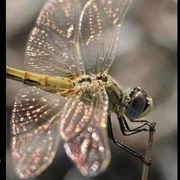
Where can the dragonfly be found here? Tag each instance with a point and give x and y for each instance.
(71, 96)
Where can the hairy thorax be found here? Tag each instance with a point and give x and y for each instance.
(93, 83)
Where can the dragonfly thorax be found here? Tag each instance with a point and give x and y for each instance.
(84, 78)
(113, 90)
(115, 94)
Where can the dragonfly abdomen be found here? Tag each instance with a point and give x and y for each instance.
(34, 79)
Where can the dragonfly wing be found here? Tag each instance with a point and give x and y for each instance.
(52, 47)
(99, 32)
(68, 41)
(84, 131)
(35, 130)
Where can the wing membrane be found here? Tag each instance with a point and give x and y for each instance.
(66, 42)
(99, 32)
(52, 44)
(35, 130)
(84, 131)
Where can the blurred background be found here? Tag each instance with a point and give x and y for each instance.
(147, 57)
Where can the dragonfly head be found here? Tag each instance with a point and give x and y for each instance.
(139, 104)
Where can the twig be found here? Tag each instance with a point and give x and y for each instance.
(148, 152)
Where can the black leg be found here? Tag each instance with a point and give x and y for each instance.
(124, 146)
(126, 129)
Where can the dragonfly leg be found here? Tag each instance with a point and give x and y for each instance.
(124, 146)
(127, 131)
(145, 121)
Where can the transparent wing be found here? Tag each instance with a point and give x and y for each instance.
(99, 25)
(84, 131)
(52, 45)
(63, 32)
(35, 130)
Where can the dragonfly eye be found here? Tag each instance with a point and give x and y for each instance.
(139, 106)
(138, 103)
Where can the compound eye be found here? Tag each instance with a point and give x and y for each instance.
(136, 106)
(139, 102)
